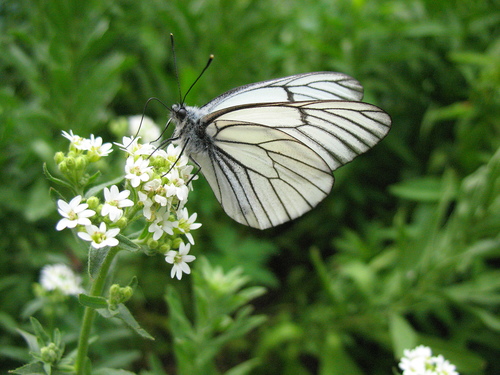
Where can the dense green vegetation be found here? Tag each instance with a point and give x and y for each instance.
(404, 251)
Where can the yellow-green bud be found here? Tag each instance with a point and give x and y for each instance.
(122, 222)
(49, 353)
(81, 163)
(59, 157)
(176, 243)
(152, 244)
(63, 167)
(94, 203)
(166, 247)
(71, 163)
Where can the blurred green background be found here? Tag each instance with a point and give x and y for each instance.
(404, 251)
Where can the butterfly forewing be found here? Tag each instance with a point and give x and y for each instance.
(300, 87)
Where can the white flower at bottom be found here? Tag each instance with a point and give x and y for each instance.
(180, 260)
(420, 361)
(100, 237)
(60, 277)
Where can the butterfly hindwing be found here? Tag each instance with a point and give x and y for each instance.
(262, 176)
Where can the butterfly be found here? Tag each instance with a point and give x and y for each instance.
(268, 149)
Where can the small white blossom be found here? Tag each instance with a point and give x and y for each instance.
(144, 127)
(75, 140)
(73, 213)
(180, 260)
(114, 202)
(176, 186)
(99, 236)
(187, 223)
(174, 155)
(162, 224)
(420, 361)
(60, 277)
(137, 171)
(148, 203)
(96, 146)
(132, 146)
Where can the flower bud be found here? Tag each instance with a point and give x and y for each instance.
(94, 203)
(49, 353)
(59, 157)
(81, 163)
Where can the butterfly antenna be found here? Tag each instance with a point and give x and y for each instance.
(175, 65)
(210, 59)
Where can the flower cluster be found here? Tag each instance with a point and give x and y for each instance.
(420, 361)
(157, 184)
(60, 277)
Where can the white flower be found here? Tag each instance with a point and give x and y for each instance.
(144, 127)
(420, 361)
(96, 146)
(60, 277)
(100, 237)
(114, 202)
(442, 366)
(176, 186)
(73, 213)
(173, 154)
(146, 210)
(162, 224)
(180, 260)
(75, 140)
(137, 171)
(186, 223)
(131, 146)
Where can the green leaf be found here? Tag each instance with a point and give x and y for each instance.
(111, 371)
(31, 340)
(55, 180)
(95, 190)
(402, 334)
(40, 333)
(96, 258)
(30, 369)
(334, 359)
(127, 244)
(125, 315)
(425, 189)
(94, 302)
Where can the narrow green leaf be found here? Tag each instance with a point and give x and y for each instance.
(29, 369)
(55, 180)
(111, 371)
(94, 302)
(402, 334)
(95, 190)
(128, 245)
(96, 258)
(125, 315)
(40, 332)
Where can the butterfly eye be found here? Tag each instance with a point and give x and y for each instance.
(179, 111)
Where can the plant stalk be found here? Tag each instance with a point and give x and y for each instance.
(89, 314)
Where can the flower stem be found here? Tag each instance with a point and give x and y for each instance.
(89, 314)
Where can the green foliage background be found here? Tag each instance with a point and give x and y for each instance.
(404, 251)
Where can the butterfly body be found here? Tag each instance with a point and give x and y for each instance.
(268, 149)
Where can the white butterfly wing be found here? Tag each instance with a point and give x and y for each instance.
(262, 176)
(300, 87)
(273, 162)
